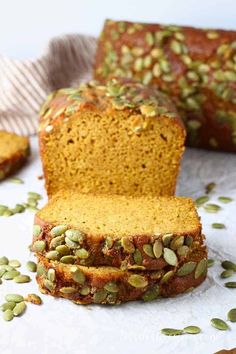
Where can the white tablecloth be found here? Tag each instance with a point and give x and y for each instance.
(61, 327)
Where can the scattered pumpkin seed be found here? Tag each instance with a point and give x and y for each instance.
(14, 298)
(219, 324)
(171, 331)
(38, 246)
(58, 230)
(137, 281)
(36, 230)
(227, 273)
(228, 265)
(2, 271)
(186, 269)
(34, 195)
(210, 263)
(16, 180)
(99, 296)
(201, 268)
(10, 274)
(192, 330)
(231, 284)
(232, 315)
(19, 309)
(212, 208)
(170, 257)
(151, 294)
(22, 278)
(8, 315)
(7, 305)
(217, 225)
(3, 260)
(31, 266)
(34, 299)
(148, 250)
(7, 213)
(225, 199)
(201, 200)
(127, 245)
(111, 287)
(14, 263)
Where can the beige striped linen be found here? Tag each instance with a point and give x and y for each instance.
(24, 85)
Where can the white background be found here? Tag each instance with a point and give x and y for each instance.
(27, 25)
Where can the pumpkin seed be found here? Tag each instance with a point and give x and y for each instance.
(111, 287)
(51, 275)
(108, 242)
(210, 263)
(82, 253)
(151, 294)
(77, 275)
(58, 230)
(7, 213)
(68, 290)
(157, 248)
(8, 315)
(31, 266)
(147, 248)
(21, 278)
(170, 257)
(75, 235)
(219, 324)
(212, 208)
(3, 261)
(48, 284)
(34, 299)
(34, 195)
(71, 244)
(99, 296)
(231, 284)
(14, 263)
(186, 269)
(36, 230)
(52, 255)
(127, 245)
(7, 268)
(225, 199)
(56, 241)
(16, 180)
(41, 270)
(201, 268)
(166, 239)
(177, 242)
(147, 78)
(137, 256)
(201, 200)
(85, 290)
(192, 330)
(137, 281)
(232, 315)
(19, 309)
(227, 273)
(176, 47)
(2, 271)
(228, 265)
(210, 187)
(38, 246)
(14, 298)
(7, 305)
(217, 225)
(171, 331)
(10, 275)
(183, 251)
(63, 249)
(167, 276)
(68, 259)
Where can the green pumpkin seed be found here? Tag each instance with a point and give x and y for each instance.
(151, 294)
(232, 315)
(127, 245)
(68, 290)
(177, 242)
(4, 261)
(48, 284)
(34, 195)
(210, 263)
(16, 180)
(99, 296)
(22, 279)
(85, 290)
(166, 239)
(176, 47)
(108, 242)
(31, 266)
(36, 230)
(41, 270)
(219, 324)
(201, 200)
(57, 241)
(7, 306)
(112, 298)
(171, 331)
(170, 257)
(71, 244)
(34, 299)
(137, 256)
(8, 315)
(212, 208)
(58, 230)
(75, 235)
(228, 265)
(2, 271)
(63, 249)
(77, 275)
(210, 187)
(51, 275)
(38, 246)
(7, 268)
(186, 269)
(7, 213)
(231, 284)
(157, 249)
(201, 268)
(217, 225)
(227, 273)
(111, 287)
(225, 199)
(166, 277)
(137, 281)
(82, 253)
(183, 251)
(19, 309)
(147, 248)
(192, 330)
(14, 263)
(149, 38)
(10, 275)
(68, 259)
(14, 298)
(147, 78)
(52, 255)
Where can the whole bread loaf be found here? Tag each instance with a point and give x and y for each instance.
(196, 67)
(121, 138)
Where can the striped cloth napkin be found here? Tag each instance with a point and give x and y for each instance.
(24, 85)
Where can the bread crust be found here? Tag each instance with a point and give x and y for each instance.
(196, 67)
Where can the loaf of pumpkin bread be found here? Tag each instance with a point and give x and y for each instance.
(14, 150)
(142, 233)
(120, 138)
(196, 67)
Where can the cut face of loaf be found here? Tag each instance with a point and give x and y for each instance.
(126, 232)
(14, 150)
(122, 138)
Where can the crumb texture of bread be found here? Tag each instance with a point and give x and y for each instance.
(120, 138)
(14, 150)
(195, 67)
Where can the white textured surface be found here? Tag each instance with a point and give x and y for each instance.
(61, 327)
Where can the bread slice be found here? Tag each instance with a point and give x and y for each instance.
(108, 285)
(14, 150)
(120, 138)
(119, 231)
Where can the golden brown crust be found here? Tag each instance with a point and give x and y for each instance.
(196, 67)
(11, 163)
(108, 285)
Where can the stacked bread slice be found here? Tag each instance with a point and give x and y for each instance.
(113, 249)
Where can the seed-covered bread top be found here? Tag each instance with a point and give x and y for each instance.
(114, 96)
(120, 215)
(11, 144)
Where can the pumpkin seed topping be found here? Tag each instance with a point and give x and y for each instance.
(147, 248)
(166, 277)
(166, 239)
(14, 298)
(99, 296)
(186, 269)
(38, 246)
(49, 284)
(232, 315)
(137, 256)
(51, 275)
(85, 290)
(75, 235)
(219, 324)
(41, 270)
(22, 278)
(151, 294)
(192, 330)
(177, 242)
(19, 309)
(111, 287)
(8, 315)
(77, 275)
(170, 257)
(231, 284)
(68, 290)
(71, 244)
(137, 281)
(183, 251)
(82, 253)
(157, 248)
(36, 230)
(201, 268)
(63, 249)
(56, 241)
(229, 265)
(68, 259)
(58, 230)
(217, 225)
(127, 245)
(171, 331)
(52, 255)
